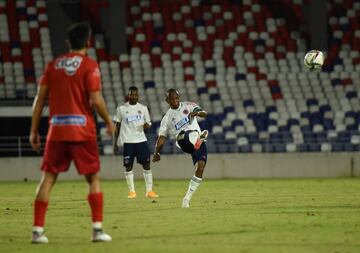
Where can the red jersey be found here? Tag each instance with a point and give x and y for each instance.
(69, 79)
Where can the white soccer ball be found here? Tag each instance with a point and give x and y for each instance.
(314, 60)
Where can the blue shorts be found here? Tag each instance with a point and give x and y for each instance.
(139, 150)
(188, 147)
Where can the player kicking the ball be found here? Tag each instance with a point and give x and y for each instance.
(180, 122)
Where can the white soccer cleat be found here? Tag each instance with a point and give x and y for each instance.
(100, 236)
(185, 203)
(39, 238)
(204, 134)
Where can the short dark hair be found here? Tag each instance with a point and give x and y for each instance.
(132, 88)
(78, 35)
(170, 91)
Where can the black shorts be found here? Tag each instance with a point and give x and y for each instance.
(139, 150)
(188, 147)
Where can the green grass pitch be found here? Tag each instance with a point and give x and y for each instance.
(285, 215)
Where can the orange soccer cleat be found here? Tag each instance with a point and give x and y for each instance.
(131, 195)
(151, 195)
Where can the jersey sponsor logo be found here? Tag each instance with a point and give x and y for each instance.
(69, 64)
(182, 123)
(75, 120)
(133, 118)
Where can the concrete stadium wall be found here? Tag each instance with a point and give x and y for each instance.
(297, 165)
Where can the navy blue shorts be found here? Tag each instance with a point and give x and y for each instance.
(188, 147)
(139, 150)
(200, 154)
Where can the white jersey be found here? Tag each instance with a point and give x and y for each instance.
(176, 120)
(132, 118)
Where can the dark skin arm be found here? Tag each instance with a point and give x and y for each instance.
(201, 114)
(159, 145)
(143, 127)
(147, 125)
(116, 136)
(197, 113)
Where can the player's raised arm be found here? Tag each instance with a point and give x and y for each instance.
(158, 147)
(38, 105)
(100, 107)
(199, 112)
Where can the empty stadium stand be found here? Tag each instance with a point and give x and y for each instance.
(242, 61)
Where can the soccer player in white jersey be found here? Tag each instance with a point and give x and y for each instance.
(131, 119)
(180, 122)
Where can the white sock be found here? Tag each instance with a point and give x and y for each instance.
(148, 180)
(193, 185)
(193, 137)
(130, 180)
(38, 229)
(97, 225)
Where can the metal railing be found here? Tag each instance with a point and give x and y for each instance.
(18, 146)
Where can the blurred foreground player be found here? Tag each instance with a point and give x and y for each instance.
(180, 122)
(71, 84)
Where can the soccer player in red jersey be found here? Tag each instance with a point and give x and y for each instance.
(71, 85)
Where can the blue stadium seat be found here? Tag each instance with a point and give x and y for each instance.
(244, 149)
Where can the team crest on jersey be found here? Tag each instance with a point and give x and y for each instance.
(69, 64)
(186, 111)
(139, 112)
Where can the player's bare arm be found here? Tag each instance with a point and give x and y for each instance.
(100, 107)
(38, 105)
(116, 136)
(199, 112)
(158, 147)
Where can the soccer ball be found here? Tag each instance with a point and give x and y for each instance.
(314, 60)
